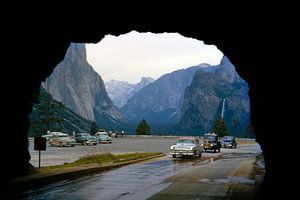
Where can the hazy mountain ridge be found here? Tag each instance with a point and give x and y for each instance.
(121, 91)
(188, 100)
(160, 102)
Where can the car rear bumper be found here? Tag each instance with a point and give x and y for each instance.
(91, 142)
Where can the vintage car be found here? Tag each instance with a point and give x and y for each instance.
(50, 135)
(211, 142)
(62, 140)
(186, 146)
(85, 139)
(229, 142)
(103, 137)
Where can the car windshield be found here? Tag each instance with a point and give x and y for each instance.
(85, 135)
(64, 137)
(210, 137)
(106, 134)
(185, 141)
(228, 138)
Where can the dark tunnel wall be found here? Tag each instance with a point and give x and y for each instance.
(34, 51)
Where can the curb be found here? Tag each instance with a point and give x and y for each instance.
(38, 179)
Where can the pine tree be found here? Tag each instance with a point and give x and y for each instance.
(220, 127)
(94, 128)
(143, 128)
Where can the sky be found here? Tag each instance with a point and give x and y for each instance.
(134, 55)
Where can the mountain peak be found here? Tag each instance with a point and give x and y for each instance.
(224, 60)
(75, 83)
(226, 70)
(144, 82)
(121, 91)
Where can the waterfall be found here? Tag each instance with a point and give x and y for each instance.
(223, 108)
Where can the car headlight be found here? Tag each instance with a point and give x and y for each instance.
(211, 145)
(172, 147)
(191, 148)
(201, 145)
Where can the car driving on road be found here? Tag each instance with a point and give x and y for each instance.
(186, 146)
(229, 142)
(211, 142)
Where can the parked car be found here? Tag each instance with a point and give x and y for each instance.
(62, 140)
(85, 139)
(103, 137)
(186, 146)
(47, 136)
(211, 142)
(50, 135)
(229, 142)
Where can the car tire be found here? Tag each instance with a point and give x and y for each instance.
(174, 156)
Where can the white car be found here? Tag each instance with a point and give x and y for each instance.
(187, 146)
(62, 140)
(50, 135)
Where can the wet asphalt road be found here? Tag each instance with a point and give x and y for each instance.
(163, 178)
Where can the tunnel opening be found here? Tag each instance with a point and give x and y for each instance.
(39, 69)
(221, 102)
(77, 86)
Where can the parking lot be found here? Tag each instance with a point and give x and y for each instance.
(61, 155)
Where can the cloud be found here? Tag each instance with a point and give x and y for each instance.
(130, 56)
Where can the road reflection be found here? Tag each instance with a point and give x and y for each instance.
(137, 181)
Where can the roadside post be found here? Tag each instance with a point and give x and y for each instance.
(39, 145)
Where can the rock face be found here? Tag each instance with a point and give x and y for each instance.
(188, 101)
(121, 91)
(160, 102)
(75, 83)
(203, 100)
